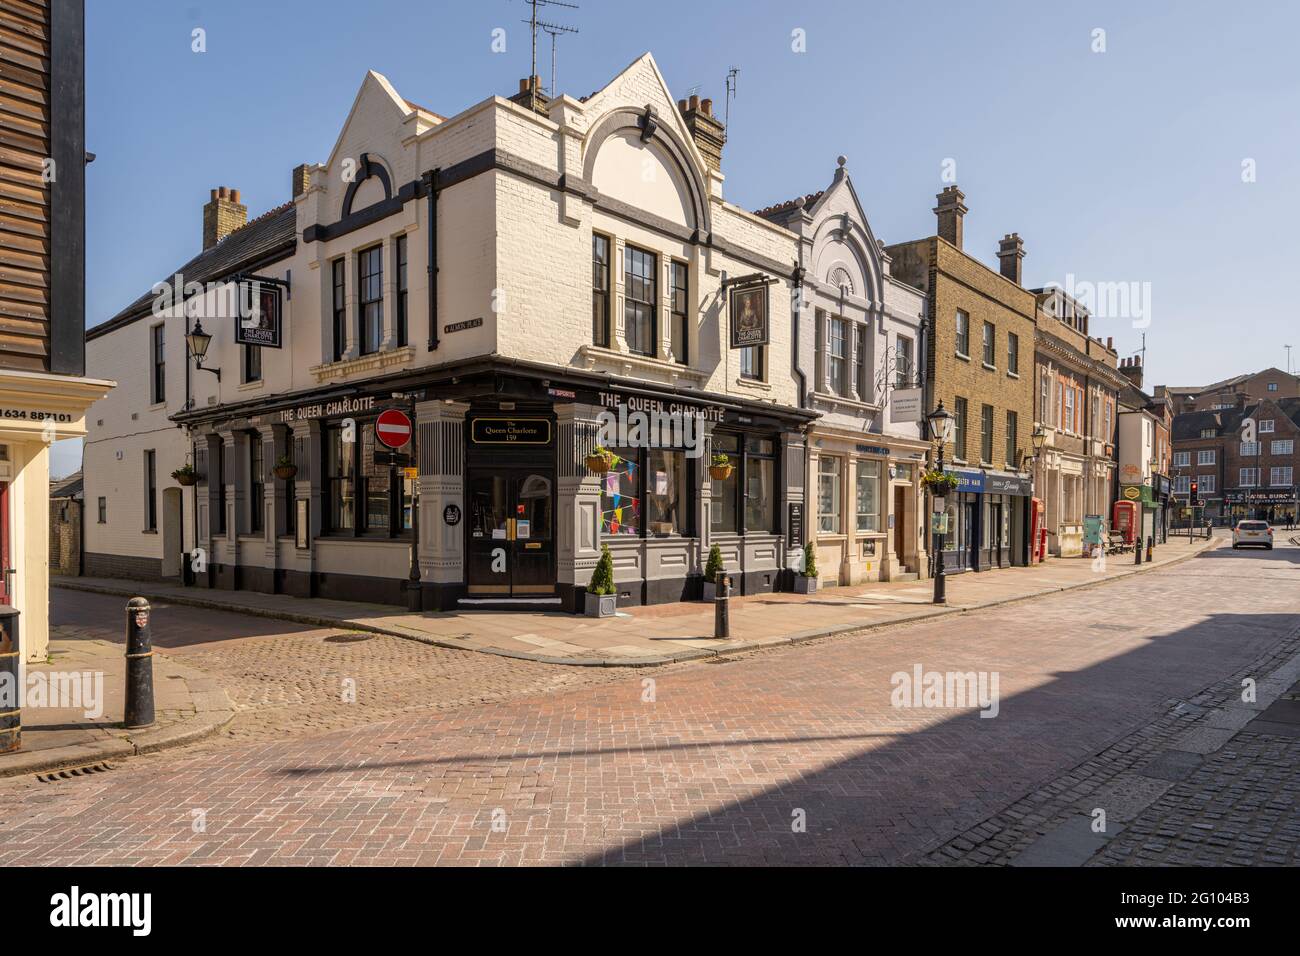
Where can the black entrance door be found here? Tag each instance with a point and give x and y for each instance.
(511, 532)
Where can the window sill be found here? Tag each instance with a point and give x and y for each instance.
(991, 368)
(1013, 374)
(373, 362)
(592, 355)
(149, 531)
(833, 400)
(962, 355)
(250, 386)
(757, 383)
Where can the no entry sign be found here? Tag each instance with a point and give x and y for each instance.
(393, 428)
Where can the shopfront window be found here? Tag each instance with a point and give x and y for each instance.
(828, 495)
(760, 492)
(666, 491)
(353, 479)
(726, 514)
(340, 482)
(868, 495)
(620, 494)
(256, 487)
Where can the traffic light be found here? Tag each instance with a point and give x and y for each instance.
(1195, 497)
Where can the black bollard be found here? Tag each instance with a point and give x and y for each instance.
(1150, 544)
(722, 609)
(138, 711)
(11, 714)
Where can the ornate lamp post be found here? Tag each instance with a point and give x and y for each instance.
(940, 421)
(198, 342)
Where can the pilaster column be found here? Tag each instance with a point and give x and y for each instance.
(577, 546)
(388, 335)
(441, 431)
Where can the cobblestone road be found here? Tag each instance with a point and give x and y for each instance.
(794, 755)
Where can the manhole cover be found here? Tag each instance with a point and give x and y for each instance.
(347, 638)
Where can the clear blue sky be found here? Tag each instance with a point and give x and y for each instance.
(1122, 166)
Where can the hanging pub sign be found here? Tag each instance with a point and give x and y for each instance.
(258, 319)
(749, 324)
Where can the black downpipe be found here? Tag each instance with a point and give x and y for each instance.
(797, 278)
(431, 187)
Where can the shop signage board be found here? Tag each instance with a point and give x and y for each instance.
(510, 431)
(794, 525)
(905, 405)
(258, 322)
(969, 481)
(749, 318)
(1008, 485)
(393, 427)
(1260, 496)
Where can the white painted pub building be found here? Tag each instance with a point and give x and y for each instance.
(504, 276)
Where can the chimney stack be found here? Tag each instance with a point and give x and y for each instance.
(1131, 369)
(950, 211)
(301, 180)
(708, 133)
(222, 215)
(525, 96)
(1010, 251)
(1110, 342)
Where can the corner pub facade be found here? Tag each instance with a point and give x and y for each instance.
(503, 276)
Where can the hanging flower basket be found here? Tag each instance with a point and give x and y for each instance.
(284, 468)
(939, 483)
(721, 468)
(600, 461)
(185, 476)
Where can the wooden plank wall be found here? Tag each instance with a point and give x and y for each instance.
(24, 195)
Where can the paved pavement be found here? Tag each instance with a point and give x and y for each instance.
(670, 632)
(794, 754)
(74, 702)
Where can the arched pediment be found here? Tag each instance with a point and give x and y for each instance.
(371, 185)
(633, 156)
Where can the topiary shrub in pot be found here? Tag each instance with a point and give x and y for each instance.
(805, 582)
(712, 568)
(601, 599)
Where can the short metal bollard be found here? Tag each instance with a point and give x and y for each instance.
(138, 711)
(1150, 545)
(11, 713)
(1137, 548)
(722, 609)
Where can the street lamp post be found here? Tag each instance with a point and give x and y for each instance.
(940, 421)
(1038, 438)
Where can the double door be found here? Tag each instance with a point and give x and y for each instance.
(511, 546)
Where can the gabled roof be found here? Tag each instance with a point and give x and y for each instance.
(69, 487)
(269, 236)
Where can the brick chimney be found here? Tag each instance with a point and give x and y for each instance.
(1011, 250)
(222, 215)
(301, 180)
(525, 96)
(708, 133)
(950, 211)
(1131, 369)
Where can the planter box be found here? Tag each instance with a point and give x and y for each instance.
(600, 605)
(804, 585)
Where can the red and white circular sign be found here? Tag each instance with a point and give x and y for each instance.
(393, 428)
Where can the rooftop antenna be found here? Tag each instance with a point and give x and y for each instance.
(533, 24)
(731, 94)
(1288, 359)
(553, 30)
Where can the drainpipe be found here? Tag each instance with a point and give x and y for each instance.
(797, 278)
(431, 194)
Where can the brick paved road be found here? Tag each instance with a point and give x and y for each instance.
(721, 765)
(286, 679)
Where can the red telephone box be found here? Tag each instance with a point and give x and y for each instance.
(1125, 519)
(1036, 547)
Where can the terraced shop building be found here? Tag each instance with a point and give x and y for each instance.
(44, 391)
(521, 274)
